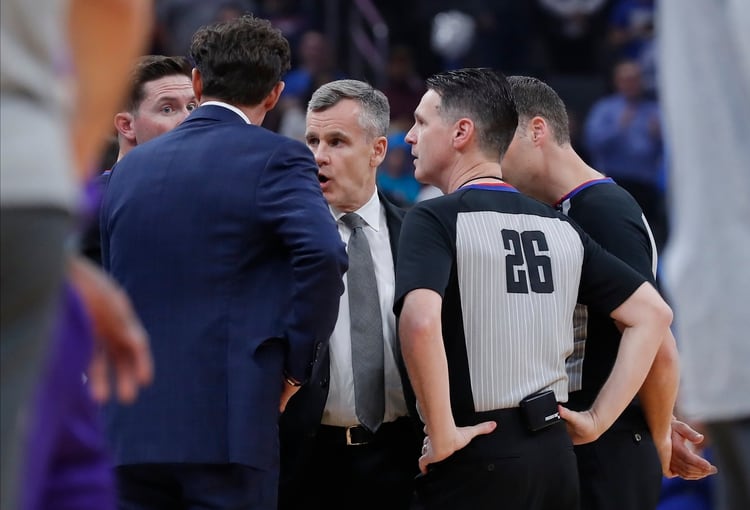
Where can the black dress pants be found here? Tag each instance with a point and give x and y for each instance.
(620, 470)
(332, 475)
(508, 469)
(195, 487)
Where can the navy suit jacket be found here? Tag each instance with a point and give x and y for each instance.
(301, 420)
(219, 233)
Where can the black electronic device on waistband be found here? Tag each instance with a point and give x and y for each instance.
(540, 410)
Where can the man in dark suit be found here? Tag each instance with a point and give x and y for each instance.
(219, 232)
(346, 438)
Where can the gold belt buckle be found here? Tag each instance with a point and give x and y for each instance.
(349, 441)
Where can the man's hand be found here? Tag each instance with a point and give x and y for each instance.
(664, 450)
(287, 392)
(583, 426)
(432, 453)
(685, 463)
(121, 342)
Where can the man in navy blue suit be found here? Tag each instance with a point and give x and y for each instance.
(220, 234)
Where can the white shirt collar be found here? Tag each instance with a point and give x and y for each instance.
(370, 212)
(228, 107)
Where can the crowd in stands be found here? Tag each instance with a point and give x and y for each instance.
(579, 47)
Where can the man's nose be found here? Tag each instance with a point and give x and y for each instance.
(321, 156)
(410, 138)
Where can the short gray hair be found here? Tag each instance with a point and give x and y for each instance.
(376, 112)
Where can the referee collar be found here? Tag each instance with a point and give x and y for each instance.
(492, 186)
(581, 187)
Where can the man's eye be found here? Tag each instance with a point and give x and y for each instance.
(191, 107)
(167, 109)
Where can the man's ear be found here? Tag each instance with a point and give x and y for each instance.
(463, 132)
(539, 130)
(379, 149)
(124, 126)
(197, 84)
(273, 97)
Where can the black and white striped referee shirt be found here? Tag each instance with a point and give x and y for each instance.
(510, 270)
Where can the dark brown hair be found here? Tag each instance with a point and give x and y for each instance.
(534, 98)
(240, 60)
(150, 68)
(483, 95)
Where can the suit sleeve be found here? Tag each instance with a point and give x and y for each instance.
(291, 204)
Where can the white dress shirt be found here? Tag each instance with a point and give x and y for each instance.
(228, 107)
(339, 409)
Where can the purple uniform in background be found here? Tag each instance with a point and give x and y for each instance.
(67, 462)
(67, 465)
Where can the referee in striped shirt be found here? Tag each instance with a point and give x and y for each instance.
(486, 283)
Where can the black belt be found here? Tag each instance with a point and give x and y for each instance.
(357, 435)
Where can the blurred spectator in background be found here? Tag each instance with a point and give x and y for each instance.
(631, 26)
(631, 36)
(404, 87)
(317, 66)
(292, 17)
(571, 33)
(409, 25)
(395, 177)
(623, 136)
(505, 37)
(177, 20)
(705, 89)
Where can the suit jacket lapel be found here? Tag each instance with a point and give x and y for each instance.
(394, 217)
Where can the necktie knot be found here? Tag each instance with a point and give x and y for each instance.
(353, 220)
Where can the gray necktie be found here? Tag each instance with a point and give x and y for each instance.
(366, 328)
